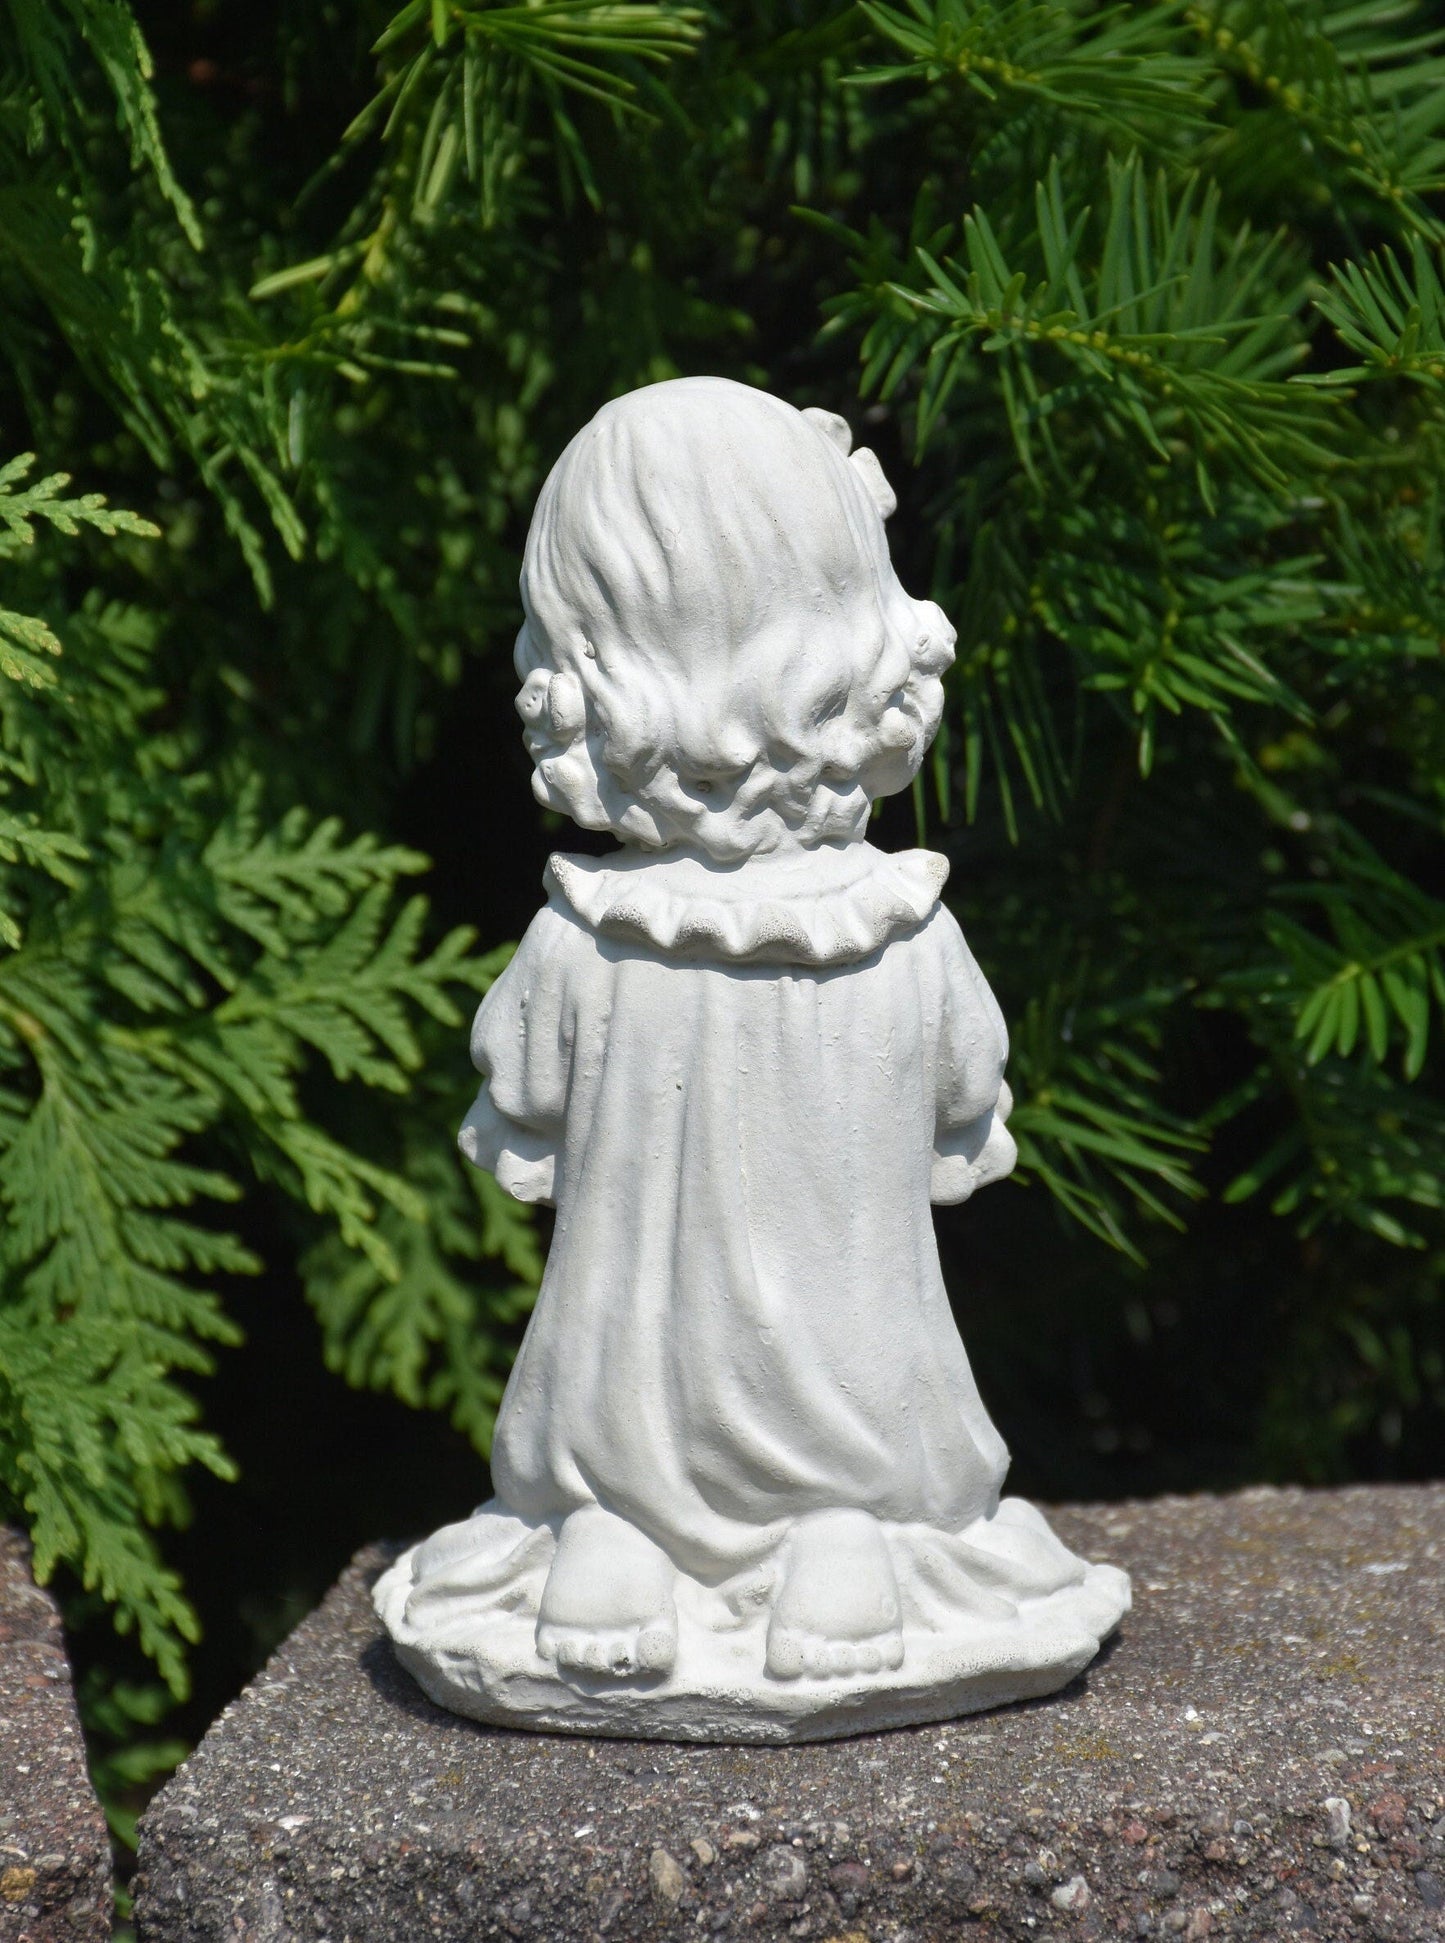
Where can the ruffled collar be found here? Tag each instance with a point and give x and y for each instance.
(827, 906)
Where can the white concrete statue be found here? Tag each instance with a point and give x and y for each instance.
(746, 1488)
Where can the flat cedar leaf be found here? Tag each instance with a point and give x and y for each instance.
(21, 505)
(24, 639)
(176, 964)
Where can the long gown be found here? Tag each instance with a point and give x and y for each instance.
(742, 1088)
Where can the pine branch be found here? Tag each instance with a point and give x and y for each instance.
(463, 85)
(274, 884)
(117, 308)
(1392, 318)
(1378, 976)
(1371, 100)
(125, 1759)
(541, 37)
(1360, 1149)
(1118, 66)
(1154, 334)
(1154, 615)
(93, 1427)
(25, 642)
(23, 840)
(1088, 1122)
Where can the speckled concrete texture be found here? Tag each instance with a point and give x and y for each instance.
(1260, 1753)
(55, 1875)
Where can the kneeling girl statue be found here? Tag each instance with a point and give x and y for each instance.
(746, 1487)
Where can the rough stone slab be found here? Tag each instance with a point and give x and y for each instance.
(1261, 1753)
(55, 1869)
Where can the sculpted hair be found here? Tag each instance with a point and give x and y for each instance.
(717, 651)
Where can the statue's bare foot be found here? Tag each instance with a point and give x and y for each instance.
(837, 1611)
(607, 1605)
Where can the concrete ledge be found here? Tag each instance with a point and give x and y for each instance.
(1260, 1753)
(55, 1869)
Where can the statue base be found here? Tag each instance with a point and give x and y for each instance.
(463, 1620)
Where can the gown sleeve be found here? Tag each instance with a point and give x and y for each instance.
(522, 1044)
(972, 1146)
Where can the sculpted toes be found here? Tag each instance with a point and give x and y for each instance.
(792, 1655)
(580, 1651)
(657, 1648)
(832, 1658)
(785, 1654)
(653, 1650)
(607, 1606)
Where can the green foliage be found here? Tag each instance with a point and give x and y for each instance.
(26, 641)
(1150, 323)
(1144, 308)
(1110, 65)
(1164, 314)
(1353, 82)
(1091, 1129)
(175, 978)
(427, 1331)
(1377, 976)
(190, 954)
(1395, 320)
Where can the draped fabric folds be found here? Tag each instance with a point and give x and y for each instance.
(740, 1091)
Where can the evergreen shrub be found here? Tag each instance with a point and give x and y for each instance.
(1143, 307)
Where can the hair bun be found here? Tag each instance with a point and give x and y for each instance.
(865, 463)
(833, 427)
(879, 490)
(566, 707)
